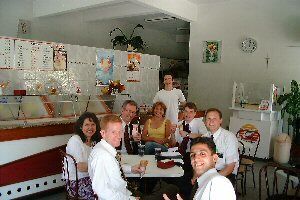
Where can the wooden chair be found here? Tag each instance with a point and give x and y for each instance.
(270, 170)
(251, 142)
(241, 175)
(66, 161)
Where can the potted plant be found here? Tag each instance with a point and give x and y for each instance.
(132, 43)
(291, 106)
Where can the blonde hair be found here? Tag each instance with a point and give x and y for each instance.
(109, 119)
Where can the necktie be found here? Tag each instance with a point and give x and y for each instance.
(194, 190)
(118, 158)
(127, 140)
(185, 141)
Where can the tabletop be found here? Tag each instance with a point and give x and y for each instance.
(151, 170)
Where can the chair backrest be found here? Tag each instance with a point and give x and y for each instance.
(250, 140)
(67, 161)
(269, 172)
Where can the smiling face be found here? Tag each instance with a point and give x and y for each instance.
(159, 111)
(88, 127)
(128, 113)
(112, 133)
(213, 121)
(189, 114)
(202, 158)
(168, 80)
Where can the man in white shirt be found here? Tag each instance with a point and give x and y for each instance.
(171, 97)
(211, 185)
(128, 112)
(226, 143)
(190, 128)
(108, 180)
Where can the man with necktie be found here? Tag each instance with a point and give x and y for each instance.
(211, 185)
(191, 128)
(129, 141)
(107, 175)
(226, 143)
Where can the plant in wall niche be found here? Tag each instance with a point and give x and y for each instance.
(291, 105)
(132, 43)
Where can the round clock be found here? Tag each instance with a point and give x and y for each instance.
(249, 45)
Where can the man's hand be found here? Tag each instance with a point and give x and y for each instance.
(137, 137)
(167, 198)
(136, 169)
(183, 133)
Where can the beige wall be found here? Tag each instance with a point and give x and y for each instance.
(275, 24)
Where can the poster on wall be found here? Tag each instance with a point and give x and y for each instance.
(59, 58)
(133, 67)
(212, 51)
(104, 66)
(6, 53)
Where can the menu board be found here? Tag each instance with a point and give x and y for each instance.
(6, 53)
(41, 56)
(22, 54)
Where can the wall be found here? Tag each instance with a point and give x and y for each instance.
(275, 26)
(71, 29)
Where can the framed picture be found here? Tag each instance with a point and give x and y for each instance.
(212, 51)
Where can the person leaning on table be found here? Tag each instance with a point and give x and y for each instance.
(210, 184)
(107, 175)
(79, 146)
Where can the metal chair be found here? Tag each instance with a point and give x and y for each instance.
(66, 161)
(241, 175)
(250, 140)
(270, 171)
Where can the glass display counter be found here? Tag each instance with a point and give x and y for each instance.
(253, 105)
(22, 111)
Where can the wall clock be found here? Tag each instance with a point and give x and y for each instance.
(249, 45)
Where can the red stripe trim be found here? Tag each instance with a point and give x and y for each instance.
(39, 165)
(34, 132)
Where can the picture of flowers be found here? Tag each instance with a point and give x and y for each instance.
(212, 51)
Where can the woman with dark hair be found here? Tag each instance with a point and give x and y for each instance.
(87, 133)
(157, 129)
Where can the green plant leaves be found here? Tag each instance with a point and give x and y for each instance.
(291, 102)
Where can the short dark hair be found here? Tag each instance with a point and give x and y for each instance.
(79, 124)
(205, 140)
(214, 110)
(169, 74)
(191, 105)
(131, 102)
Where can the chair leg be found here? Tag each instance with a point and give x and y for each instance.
(245, 181)
(253, 177)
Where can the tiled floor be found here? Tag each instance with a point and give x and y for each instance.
(252, 193)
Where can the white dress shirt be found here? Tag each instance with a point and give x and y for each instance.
(227, 145)
(213, 186)
(80, 151)
(196, 126)
(171, 99)
(105, 173)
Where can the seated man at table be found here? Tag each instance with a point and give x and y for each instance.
(210, 184)
(191, 128)
(107, 175)
(226, 143)
(129, 141)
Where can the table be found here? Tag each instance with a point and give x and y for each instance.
(152, 170)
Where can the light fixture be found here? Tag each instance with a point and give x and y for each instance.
(158, 19)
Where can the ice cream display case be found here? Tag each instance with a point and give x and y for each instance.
(254, 105)
(32, 130)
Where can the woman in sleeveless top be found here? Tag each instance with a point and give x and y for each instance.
(157, 129)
